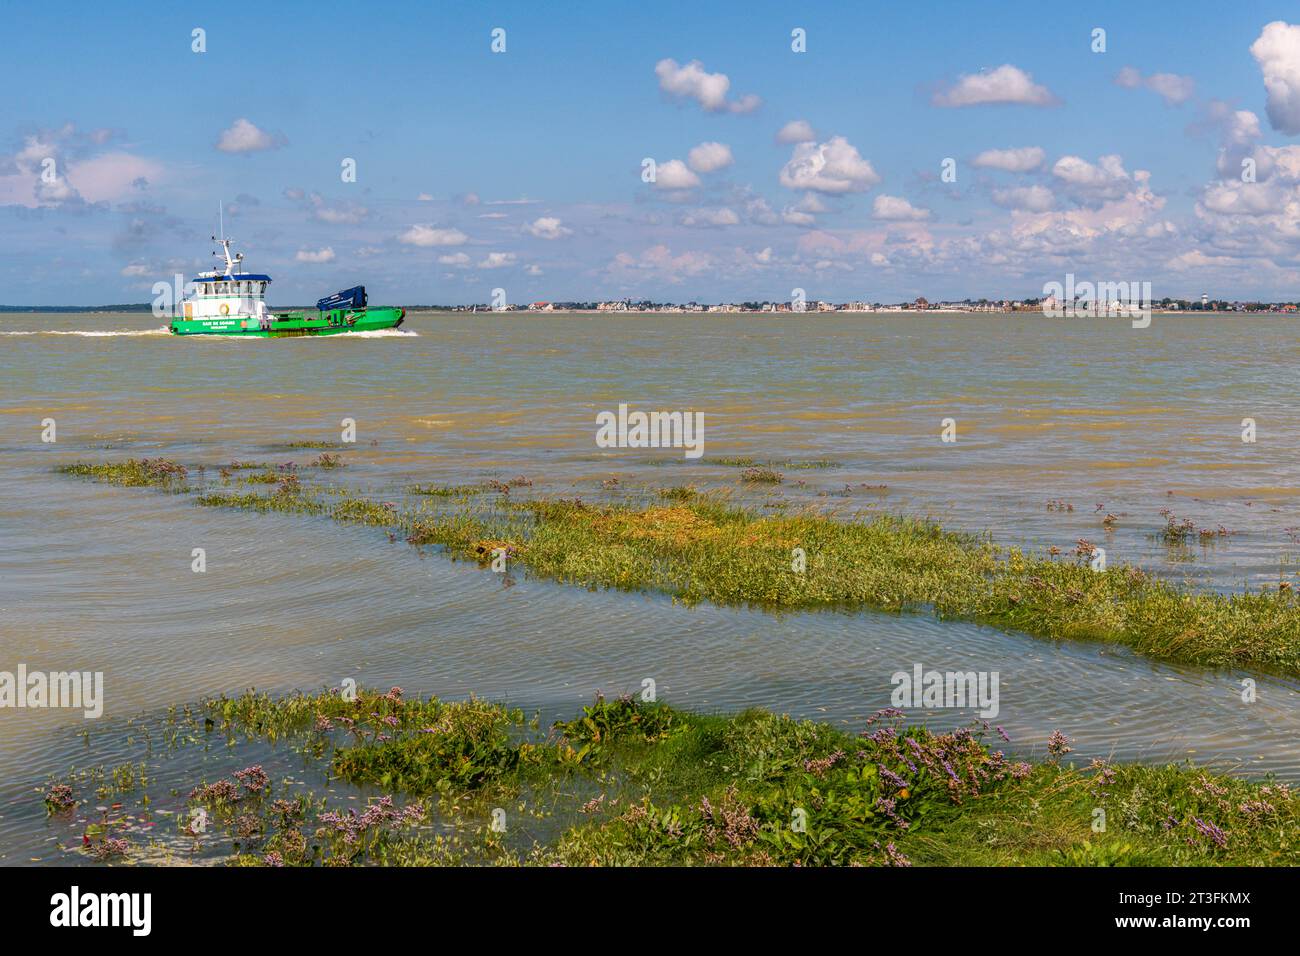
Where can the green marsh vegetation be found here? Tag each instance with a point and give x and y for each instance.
(133, 473)
(793, 464)
(698, 547)
(626, 782)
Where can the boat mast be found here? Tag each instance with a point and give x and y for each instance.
(225, 243)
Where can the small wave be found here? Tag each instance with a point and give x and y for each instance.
(88, 333)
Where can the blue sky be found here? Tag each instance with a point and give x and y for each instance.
(523, 170)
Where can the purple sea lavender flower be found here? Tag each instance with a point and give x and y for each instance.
(1058, 745)
(253, 778)
(892, 778)
(1210, 830)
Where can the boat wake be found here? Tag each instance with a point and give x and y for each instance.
(375, 334)
(88, 333)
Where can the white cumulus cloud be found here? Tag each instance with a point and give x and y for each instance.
(708, 157)
(692, 81)
(497, 260)
(1277, 51)
(244, 137)
(1020, 160)
(1006, 84)
(796, 131)
(429, 236)
(896, 209)
(317, 255)
(1172, 88)
(674, 174)
(547, 227)
(1107, 179)
(834, 166)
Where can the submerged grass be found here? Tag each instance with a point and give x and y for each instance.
(447, 491)
(633, 783)
(795, 464)
(702, 547)
(132, 473)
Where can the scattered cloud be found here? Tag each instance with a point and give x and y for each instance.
(1277, 51)
(63, 168)
(1172, 88)
(896, 209)
(796, 131)
(674, 174)
(834, 166)
(335, 213)
(1107, 179)
(1006, 84)
(430, 236)
(547, 227)
(692, 81)
(1020, 160)
(660, 261)
(497, 260)
(709, 218)
(1026, 198)
(709, 157)
(244, 137)
(318, 255)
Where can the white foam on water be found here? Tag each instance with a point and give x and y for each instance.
(88, 333)
(373, 334)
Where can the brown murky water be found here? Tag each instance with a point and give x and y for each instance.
(1090, 413)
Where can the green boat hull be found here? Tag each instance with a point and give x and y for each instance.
(292, 324)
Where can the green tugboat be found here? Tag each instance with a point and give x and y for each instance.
(233, 302)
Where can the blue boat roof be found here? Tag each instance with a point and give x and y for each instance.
(238, 276)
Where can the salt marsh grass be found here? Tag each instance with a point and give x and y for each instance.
(705, 547)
